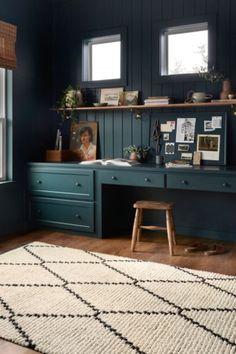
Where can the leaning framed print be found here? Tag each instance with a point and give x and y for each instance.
(83, 140)
(111, 96)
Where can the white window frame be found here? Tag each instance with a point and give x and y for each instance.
(3, 118)
(195, 27)
(87, 55)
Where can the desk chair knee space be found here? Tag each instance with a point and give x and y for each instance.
(153, 205)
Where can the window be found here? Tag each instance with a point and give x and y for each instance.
(5, 124)
(184, 49)
(104, 59)
(2, 124)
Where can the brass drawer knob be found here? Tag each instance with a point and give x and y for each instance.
(225, 184)
(77, 184)
(184, 181)
(38, 181)
(77, 216)
(114, 178)
(146, 179)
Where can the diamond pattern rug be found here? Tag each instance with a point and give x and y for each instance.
(59, 300)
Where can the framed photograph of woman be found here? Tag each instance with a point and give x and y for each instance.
(83, 140)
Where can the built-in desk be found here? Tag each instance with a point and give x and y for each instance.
(90, 198)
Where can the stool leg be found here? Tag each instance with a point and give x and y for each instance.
(140, 221)
(173, 227)
(169, 232)
(135, 230)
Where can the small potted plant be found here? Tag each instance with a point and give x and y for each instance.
(138, 153)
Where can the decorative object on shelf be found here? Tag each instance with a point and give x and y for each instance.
(130, 98)
(83, 140)
(71, 98)
(226, 89)
(156, 136)
(195, 97)
(111, 96)
(138, 153)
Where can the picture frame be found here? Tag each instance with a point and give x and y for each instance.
(209, 146)
(111, 96)
(83, 140)
(130, 98)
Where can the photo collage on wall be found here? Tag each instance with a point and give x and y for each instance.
(197, 138)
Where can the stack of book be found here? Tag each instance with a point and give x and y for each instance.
(156, 100)
(178, 164)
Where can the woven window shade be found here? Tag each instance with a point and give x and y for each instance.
(7, 45)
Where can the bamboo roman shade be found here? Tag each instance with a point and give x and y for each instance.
(7, 45)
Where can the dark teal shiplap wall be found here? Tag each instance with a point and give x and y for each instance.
(31, 100)
(195, 212)
(119, 129)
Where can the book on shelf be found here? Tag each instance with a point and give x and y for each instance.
(114, 162)
(178, 164)
(157, 100)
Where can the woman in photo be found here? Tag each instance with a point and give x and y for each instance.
(87, 148)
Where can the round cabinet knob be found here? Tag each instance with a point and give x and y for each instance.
(225, 184)
(38, 181)
(77, 216)
(184, 181)
(146, 179)
(113, 178)
(77, 184)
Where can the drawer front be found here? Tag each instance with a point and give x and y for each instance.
(62, 184)
(63, 213)
(143, 179)
(204, 183)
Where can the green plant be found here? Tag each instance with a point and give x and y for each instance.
(211, 75)
(140, 151)
(70, 98)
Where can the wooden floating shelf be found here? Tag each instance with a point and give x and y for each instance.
(139, 107)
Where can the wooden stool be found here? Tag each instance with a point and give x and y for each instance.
(137, 227)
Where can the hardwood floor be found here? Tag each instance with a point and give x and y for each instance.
(152, 248)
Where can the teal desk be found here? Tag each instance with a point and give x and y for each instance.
(89, 199)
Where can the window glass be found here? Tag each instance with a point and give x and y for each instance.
(106, 61)
(2, 122)
(185, 50)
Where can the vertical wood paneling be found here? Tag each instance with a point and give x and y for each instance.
(166, 9)
(199, 7)
(177, 8)
(101, 134)
(108, 135)
(118, 138)
(119, 129)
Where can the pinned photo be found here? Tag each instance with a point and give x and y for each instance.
(169, 148)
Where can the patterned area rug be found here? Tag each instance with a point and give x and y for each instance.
(59, 300)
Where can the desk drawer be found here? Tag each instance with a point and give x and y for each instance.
(63, 213)
(204, 183)
(134, 178)
(67, 184)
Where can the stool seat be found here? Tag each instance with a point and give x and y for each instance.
(153, 205)
(147, 204)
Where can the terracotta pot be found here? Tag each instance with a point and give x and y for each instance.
(133, 156)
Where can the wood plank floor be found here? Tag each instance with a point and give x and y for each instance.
(152, 248)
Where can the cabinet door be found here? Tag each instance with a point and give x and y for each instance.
(219, 183)
(62, 184)
(61, 213)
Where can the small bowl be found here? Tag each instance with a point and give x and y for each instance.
(97, 104)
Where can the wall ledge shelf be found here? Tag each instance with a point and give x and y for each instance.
(215, 103)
